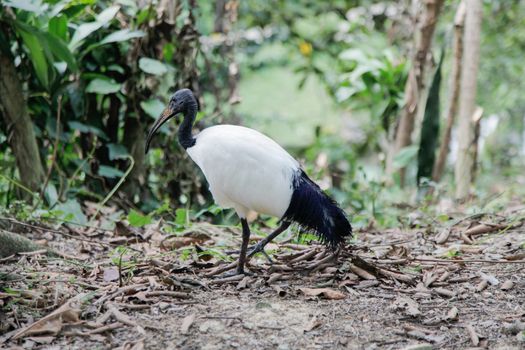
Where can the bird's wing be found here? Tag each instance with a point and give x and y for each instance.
(245, 169)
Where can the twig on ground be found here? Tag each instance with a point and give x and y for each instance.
(227, 279)
(120, 291)
(105, 328)
(119, 316)
(220, 269)
(472, 334)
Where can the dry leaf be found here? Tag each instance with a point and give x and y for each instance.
(243, 283)
(474, 337)
(42, 340)
(326, 292)
(312, 324)
(178, 242)
(281, 292)
(489, 278)
(52, 323)
(110, 274)
(124, 230)
(186, 323)
(361, 272)
(481, 285)
(483, 228)
(443, 236)
(409, 306)
(121, 317)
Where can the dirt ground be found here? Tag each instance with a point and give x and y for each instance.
(459, 285)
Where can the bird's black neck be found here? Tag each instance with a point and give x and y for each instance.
(186, 139)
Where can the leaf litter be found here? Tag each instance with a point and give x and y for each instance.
(446, 286)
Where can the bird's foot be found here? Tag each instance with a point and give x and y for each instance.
(234, 273)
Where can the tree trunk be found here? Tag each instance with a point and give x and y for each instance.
(455, 76)
(20, 133)
(476, 122)
(135, 143)
(415, 81)
(12, 243)
(466, 146)
(226, 12)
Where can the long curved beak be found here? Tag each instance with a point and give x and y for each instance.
(164, 117)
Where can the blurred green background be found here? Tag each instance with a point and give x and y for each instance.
(326, 79)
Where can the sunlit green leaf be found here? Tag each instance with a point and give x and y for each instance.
(82, 32)
(167, 51)
(85, 29)
(143, 15)
(108, 14)
(181, 216)
(152, 107)
(116, 68)
(58, 26)
(152, 66)
(87, 129)
(72, 211)
(35, 6)
(353, 55)
(110, 172)
(136, 219)
(60, 50)
(38, 59)
(117, 151)
(103, 86)
(51, 194)
(122, 35)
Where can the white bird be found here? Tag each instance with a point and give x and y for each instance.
(247, 170)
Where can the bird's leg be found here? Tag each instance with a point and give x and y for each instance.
(259, 247)
(244, 246)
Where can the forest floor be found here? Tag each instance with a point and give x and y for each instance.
(450, 283)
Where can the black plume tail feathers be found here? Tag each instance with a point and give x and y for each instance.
(315, 212)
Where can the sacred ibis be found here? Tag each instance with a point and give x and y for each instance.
(247, 170)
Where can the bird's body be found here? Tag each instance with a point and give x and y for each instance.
(247, 170)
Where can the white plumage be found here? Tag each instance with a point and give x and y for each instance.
(245, 169)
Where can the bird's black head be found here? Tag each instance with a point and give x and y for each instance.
(182, 101)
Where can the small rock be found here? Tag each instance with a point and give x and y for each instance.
(163, 305)
(452, 314)
(507, 285)
(514, 327)
(521, 336)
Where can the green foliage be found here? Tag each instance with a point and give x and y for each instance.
(152, 66)
(103, 86)
(137, 219)
(333, 72)
(372, 80)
